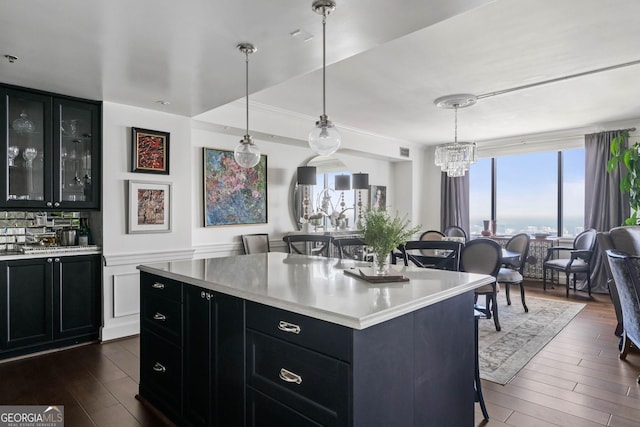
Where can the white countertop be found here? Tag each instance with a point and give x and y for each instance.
(317, 286)
(51, 251)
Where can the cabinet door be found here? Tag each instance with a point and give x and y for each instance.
(26, 306)
(76, 298)
(213, 363)
(76, 178)
(26, 148)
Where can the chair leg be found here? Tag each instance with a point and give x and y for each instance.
(526, 310)
(626, 346)
(589, 282)
(506, 292)
(544, 279)
(567, 285)
(478, 384)
(494, 310)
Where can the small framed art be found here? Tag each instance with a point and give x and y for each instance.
(378, 197)
(233, 195)
(150, 151)
(149, 207)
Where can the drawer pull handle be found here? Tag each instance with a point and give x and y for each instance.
(159, 316)
(159, 367)
(158, 285)
(206, 295)
(290, 377)
(289, 327)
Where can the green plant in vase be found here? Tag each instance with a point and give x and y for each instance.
(629, 182)
(383, 234)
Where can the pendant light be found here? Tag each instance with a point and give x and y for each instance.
(324, 139)
(456, 158)
(246, 154)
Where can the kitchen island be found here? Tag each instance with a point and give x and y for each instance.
(281, 339)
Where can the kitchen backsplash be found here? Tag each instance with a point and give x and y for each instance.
(16, 226)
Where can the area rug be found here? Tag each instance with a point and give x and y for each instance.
(502, 354)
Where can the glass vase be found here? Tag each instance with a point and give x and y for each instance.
(381, 264)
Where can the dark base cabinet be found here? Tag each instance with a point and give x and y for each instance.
(48, 302)
(248, 364)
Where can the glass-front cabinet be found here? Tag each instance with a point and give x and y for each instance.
(52, 146)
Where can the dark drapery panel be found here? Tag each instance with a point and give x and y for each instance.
(454, 202)
(605, 205)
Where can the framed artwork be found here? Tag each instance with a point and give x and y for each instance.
(378, 197)
(150, 151)
(149, 207)
(233, 195)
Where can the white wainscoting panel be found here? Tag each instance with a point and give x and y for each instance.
(126, 294)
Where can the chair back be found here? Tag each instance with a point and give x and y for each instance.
(255, 243)
(351, 248)
(586, 240)
(432, 235)
(455, 231)
(308, 244)
(441, 254)
(520, 244)
(483, 256)
(626, 274)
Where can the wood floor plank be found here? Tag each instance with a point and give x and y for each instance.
(522, 420)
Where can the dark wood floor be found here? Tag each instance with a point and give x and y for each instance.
(577, 380)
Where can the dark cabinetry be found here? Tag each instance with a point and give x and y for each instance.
(50, 146)
(48, 302)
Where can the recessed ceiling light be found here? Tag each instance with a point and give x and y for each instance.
(11, 58)
(163, 102)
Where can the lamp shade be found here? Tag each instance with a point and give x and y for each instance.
(343, 182)
(360, 181)
(306, 175)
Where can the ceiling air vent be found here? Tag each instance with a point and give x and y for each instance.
(404, 152)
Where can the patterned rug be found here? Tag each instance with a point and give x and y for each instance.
(502, 354)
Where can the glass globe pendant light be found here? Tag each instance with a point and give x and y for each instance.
(324, 139)
(246, 153)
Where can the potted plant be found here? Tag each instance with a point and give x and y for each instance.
(630, 182)
(383, 234)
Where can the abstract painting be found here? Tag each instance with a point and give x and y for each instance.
(232, 194)
(150, 151)
(149, 207)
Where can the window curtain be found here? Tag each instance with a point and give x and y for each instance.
(605, 205)
(454, 202)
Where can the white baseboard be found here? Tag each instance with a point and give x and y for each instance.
(119, 331)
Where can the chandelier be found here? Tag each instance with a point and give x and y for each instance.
(246, 153)
(456, 158)
(324, 139)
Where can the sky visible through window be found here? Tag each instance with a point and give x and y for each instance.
(527, 188)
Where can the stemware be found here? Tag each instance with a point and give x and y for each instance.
(12, 153)
(29, 154)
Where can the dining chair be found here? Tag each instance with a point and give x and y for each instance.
(579, 260)
(308, 244)
(626, 273)
(512, 273)
(440, 254)
(255, 243)
(432, 235)
(455, 231)
(351, 248)
(484, 256)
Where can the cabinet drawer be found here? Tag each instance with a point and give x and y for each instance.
(163, 316)
(328, 338)
(263, 411)
(160, 370)
(306, 381)
(156, 285)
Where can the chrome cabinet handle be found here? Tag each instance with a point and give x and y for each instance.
(159, 316)
(289, 327)
(49, 204)
(289, 376)
(158, 367)
(158, 285)
(56, 204)
(49, 260)
(206, 295)
(56, 259)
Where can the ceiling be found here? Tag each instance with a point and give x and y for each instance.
(388, 61)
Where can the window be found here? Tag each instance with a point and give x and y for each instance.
(525, 198)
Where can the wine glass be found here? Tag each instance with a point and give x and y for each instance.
(29, 154)
(12, 153)
(23, 125)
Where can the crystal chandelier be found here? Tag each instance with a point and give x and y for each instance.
(246, 153)
(455, 158)
(324, 139)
